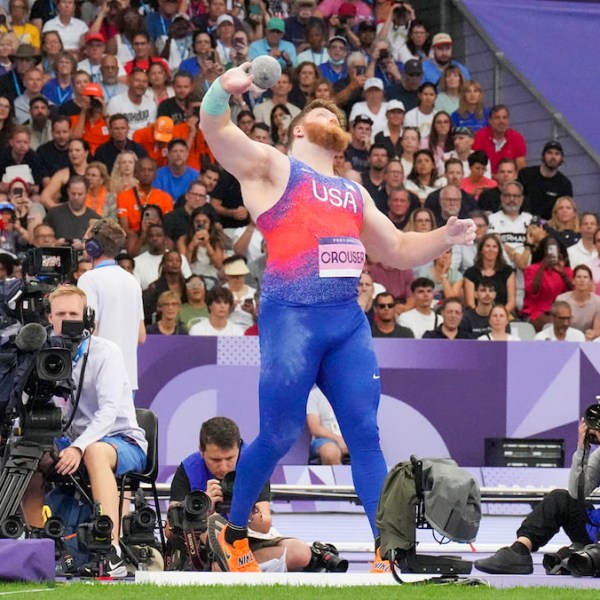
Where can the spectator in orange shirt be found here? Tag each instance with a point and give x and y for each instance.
(90, 123)
(155, 137)
(131, 203)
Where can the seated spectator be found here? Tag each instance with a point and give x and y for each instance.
(18, 152)
(471, 111)
(306, 75)
(544, 281)
(122, 176)
(418, 43)
(167, 323)
(51, 47)
(422, 317)
(176, 47)
(99, 198)
(334, 69)
(39, 124)
(366, 295)
(147, 264)
(489, 262)
(441, 56)
(126, 262)
(594, 263)
(476, 182)
(118, 130)
(384, 325)
(44, 236)
(584, 250)
(69, 27)
(236, 269)
(423, 178)
(109, 76)
(274, 45)
(410, 141)
(585, 304)
(7, 119)
(28, 214)
(440, 140)
(451, 312)
(499, 323)
(220, 306)
(421, 220)
(202, 245)
(357, 152)
(560, 331)
(195, 308)
(559, 508)
(476, 320)
(279, 121)
(422, 115)
(395, 281)
(170, 278)
(499, 141)
(400, 207)
(374, 105)
(59, 89)
(448, 281)
(175, 177)
(327, 443)
(564, 224)
(159, 84)
(393, 177)
(316, 52)
(489, 200)
(390, 136)
(449, 90)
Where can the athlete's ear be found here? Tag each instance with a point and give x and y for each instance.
(298, 131)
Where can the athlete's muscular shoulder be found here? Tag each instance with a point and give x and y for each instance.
(262, 190)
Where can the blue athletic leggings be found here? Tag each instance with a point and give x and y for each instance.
(300, 345)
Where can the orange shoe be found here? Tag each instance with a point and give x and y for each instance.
(379, 565)
(236, 557)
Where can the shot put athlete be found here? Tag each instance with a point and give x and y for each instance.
(318, 228)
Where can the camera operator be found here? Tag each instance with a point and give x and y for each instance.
(560, 508)
(104, 434)
(220, 447)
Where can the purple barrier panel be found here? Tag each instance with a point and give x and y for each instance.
(439, 398)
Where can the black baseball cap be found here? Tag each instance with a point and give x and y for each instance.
(553, 145)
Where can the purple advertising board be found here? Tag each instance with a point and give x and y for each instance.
(438, 398)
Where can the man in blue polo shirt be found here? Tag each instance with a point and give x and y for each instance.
(274, 45)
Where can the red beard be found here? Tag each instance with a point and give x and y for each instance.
(330, 137)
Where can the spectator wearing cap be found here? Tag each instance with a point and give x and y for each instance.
(155, 138)
(94, 47)
(335, 68)
(462, 141)
(39, 123)
(297, 24)
(19, 153)
(471, 111)
(330, 8)
(69, 28)
(279, 95)
(158, 22)
(391, 135)
(118, 141)
(207, 22)
(315, 50)
(357, 152)
(544, 183)
(274, 45)
(24, 59)
(224, 38)
(405, 90)
(374, 105)
(134, 104)
(74, 105)
(177, 45)
(498, 140)
(345, 22)
(177, 107)
(33, 82)
(90, 124)
(421, 117)
(175, 177)
(441, 51)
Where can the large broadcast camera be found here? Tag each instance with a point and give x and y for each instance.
(188, 520)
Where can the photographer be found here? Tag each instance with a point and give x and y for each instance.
(104, 436)
(560, 508)
(220, 447)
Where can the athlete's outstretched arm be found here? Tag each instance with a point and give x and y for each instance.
(390, 246)
(235, 151)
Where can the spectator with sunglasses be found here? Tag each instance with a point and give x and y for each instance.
(385, 325)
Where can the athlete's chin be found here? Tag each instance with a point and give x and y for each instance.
(332, 138)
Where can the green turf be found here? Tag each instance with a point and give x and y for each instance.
(121, 591)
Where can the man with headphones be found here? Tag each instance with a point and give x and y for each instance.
(104, 434)
(113, 293)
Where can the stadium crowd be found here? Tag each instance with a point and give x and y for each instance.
(99, 118)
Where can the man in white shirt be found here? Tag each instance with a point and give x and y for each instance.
(134, 104)
(220, 305)
(560, 330)
(585, 249)
(69, 28)
(422, 317)
(374, 105)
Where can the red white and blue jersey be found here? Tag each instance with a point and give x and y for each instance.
(314, 252)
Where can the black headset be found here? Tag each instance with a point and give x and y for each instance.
(92, 246)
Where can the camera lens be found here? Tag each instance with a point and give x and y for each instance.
(102, 527)
(592, 416)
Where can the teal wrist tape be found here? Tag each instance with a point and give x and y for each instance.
(216, 100)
